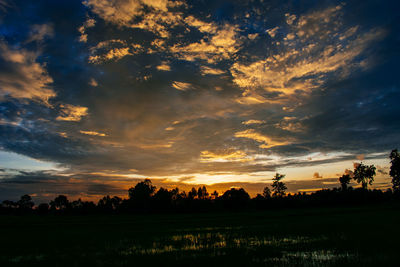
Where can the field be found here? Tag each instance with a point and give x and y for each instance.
(305, 237)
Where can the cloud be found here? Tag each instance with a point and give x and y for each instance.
(71, 113)
(63, 134)
(272, 32)
(119, 12)
(4, 5)
(40, 31)
(22, 76)
(110, 50)
(156, 146)
(229, 155)
(360, 157)
(93, 82)
(249, 122)
(164, 67)
(200, 90)
(210, 71)
(252, 36)
(46, 185)
(92, 133)
(89, 23)
(219, 45)
(290, 18)
(303, 65)
(149, 15)
(382, 170)
(290, 124)
(182, 86)
(266, 141)
(317, 175)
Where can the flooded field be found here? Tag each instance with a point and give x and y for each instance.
(318, 237)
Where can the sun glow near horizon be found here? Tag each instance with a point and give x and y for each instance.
(186, 93)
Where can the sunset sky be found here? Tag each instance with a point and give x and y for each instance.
(96, 95)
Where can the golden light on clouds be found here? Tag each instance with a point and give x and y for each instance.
(30, 79)
(289, 71)
(71, 113)
(164, 67)
(291, 124)
(92, 133)
(266, 141)
(210, 71)
(93, 82)
(249, 122)
(229, 155)
(182, 86)
(155, 146)
(194, 93)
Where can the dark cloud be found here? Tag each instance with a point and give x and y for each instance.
(162, 82)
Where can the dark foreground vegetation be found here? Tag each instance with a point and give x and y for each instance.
(351, 236)
(337, 227)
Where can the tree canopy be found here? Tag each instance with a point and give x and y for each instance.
(344, 181)
(395, 169)
(364, 174)
(278, 187)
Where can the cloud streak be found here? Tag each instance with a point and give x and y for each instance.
(205, 93)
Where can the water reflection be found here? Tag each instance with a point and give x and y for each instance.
(222, 240)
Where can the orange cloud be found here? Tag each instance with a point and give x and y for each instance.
(182, 86)
(267, 141)
(164, 67)
(72, 113)
(303, 64)
(224, 156)
(26, 78)
(92, 133)
(253, 122)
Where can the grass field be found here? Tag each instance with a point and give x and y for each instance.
(307, 237)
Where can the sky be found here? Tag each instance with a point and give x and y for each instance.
(97, 95)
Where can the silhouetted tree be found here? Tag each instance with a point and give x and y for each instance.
(143, 196)
(59, 203)
(266, 193)
(192, 193)
(116, 202)
(108, 203)
(142, 191)
(140, 196)
(395, 169)
(174, 193)
(234, 198)
(202, 192)
(105, 203)
(77, 204)
(163, 198)
(181, 195)
(9, 204)
(43, 208)
(364, 174)
(344, 181)
(214, 194)
(25, 203)
(259, 198)
(278, 187)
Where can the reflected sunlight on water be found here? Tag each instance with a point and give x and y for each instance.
(218, 243)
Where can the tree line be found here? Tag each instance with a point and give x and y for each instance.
(144, 196)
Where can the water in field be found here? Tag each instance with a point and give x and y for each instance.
(212, 245)
(258, 239)
(263, 249)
